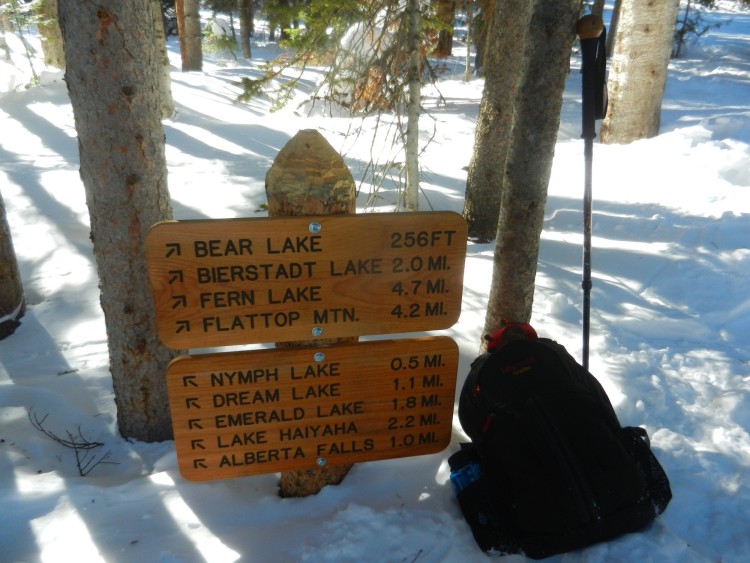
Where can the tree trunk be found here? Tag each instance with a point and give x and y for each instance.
(486, 9)
(638, 72)
(445, 13)
(245, 8)
(189, 27)
(411, 192)
(529, 162)
(503, 67)
(12, 305)
(469, 31)
(165, 79)
(613, 24)
(49, 29)
(113, 81)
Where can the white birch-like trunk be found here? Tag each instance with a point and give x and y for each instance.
(411, 192)
(638, 72)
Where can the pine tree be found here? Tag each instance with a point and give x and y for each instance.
(112, 68)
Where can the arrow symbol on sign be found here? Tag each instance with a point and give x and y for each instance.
(177, 275)
(195, 423)
(192, 402)
(198, 463)
(179, 301)
(197, 444)
(182, 326)
(189, 381)
(173, 248)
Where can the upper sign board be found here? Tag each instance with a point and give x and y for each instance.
(240, 281)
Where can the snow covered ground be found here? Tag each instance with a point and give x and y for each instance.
(670, 322)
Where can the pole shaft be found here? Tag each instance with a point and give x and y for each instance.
(589, 29)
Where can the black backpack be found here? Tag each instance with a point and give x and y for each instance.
(549, 468)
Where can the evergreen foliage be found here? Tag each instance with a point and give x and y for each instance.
(690, 23)
(361, 43)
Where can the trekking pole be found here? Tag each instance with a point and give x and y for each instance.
(591, 33)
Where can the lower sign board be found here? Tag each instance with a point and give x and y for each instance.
(263, 411)
(241, 281)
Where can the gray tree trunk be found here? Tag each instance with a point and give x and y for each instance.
(245, 9)
(545, 54)
(189, 27)
(49, 29)
(613, 24)
(12, 305)
(165, 78)
(112, 75)
(411, 192)
(503, 68)
(638, 73)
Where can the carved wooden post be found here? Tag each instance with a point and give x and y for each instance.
(308, 177)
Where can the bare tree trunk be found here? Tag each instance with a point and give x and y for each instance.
(165, 79)
(113, 81)
(411, 192)
(613, 25)
(469, 21)
(503, 68)
(12, 305)
(245, 8)
(487, 9)
(529, 162)
(49, 29)
(189, 26)
(638, 73)
(445, 11)
(545, 52)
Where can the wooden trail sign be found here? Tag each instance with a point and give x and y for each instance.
(263, 411)
(240, 281)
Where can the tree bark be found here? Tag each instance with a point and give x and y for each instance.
(49, 29)
(411, 191)
(529, 162)
(12, 304)
(112, 77)
(245, 8)
(613, 25)
(503, 68)
(189, 27)
(445, 13)
(165, 78)
(638, 73)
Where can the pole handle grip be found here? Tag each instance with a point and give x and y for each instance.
(589, 27)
